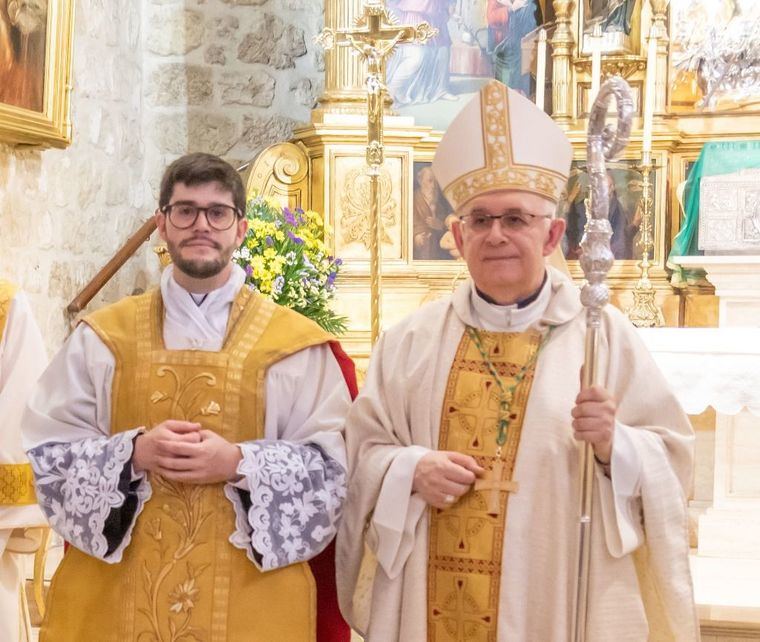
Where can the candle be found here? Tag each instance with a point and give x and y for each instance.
(596, 63)
(541, 69)
(646, 144)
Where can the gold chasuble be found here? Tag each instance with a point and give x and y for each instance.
(180, 578)
(16, 480)
(466, 539)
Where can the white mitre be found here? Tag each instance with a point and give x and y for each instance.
(501, 140)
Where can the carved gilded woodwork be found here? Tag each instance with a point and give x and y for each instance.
(334, 146)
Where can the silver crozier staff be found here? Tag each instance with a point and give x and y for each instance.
(596, 260)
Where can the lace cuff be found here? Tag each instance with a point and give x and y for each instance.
(82, 491)
(291, 508)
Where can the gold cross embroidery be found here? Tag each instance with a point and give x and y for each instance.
(461, 615)
(494, 483)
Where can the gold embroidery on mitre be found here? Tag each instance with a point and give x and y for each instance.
(466, 539)
(501, 171)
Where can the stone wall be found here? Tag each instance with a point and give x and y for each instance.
(228, 76)
(63, 213)
(152, 80)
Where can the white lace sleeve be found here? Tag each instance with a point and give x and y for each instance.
(290, 509)
(87, 492)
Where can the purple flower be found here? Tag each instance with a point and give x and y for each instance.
(248, 270)
(331, 279)
(296, 239)
(288, 215)
(338, 262)
(269, 241)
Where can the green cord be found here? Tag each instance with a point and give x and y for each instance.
(505, 394)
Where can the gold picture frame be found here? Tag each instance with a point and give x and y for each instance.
(48, 123)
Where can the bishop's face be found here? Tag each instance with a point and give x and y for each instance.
(505, 256)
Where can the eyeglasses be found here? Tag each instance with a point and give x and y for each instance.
(184, 215)
(512, 222)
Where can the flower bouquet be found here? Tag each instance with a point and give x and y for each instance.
(285, 258)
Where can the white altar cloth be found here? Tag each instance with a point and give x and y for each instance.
(718, 367)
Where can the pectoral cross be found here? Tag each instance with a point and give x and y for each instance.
(375, 35)
(496, 485)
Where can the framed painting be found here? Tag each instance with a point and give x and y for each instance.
(477, 40)
(35, 71)
(431, 218)
(714, 56)
(620, 22)
(625, 215)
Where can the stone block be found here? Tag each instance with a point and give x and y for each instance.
(244, 3)
(180, 84)
(259, 132)
(214, 55)
(304, 92)
(197, 132)
(271, 42)
(256, 88)
(223, 26)
(174, 30)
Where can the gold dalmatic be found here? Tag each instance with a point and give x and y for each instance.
(16, 480)
(180, 579)
(466, 539)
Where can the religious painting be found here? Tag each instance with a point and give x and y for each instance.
(620, 22)
(624, 182)
(477, 40)
(715, 59)
(35, 65)
(432, 217)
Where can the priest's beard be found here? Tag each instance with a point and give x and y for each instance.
(197, 268)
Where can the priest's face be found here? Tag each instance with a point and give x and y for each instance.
(199, 249)
(504, 237)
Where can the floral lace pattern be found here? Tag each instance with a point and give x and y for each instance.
(78, 486)
(296, 496)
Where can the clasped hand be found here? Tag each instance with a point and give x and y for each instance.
(183, 451)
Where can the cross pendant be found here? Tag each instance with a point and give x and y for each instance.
(494, 483)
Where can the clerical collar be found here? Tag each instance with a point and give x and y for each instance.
(516, 317)
(522, 303)
(223, 295)
(198, 299)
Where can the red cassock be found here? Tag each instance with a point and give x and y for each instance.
(331, 627)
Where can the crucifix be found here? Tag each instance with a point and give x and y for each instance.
(374, 37)
(494, 483)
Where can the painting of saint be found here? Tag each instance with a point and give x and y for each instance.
(615, 15)
(420, 73)
(523, 16)
(624, 189)
(429, 213)
(23, 26)
(477, 40)
(620, 21)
